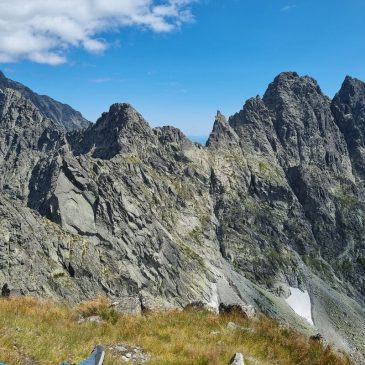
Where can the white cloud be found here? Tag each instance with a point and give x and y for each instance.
(288, 7)
(43, 30)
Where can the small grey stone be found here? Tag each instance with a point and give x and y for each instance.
(237, 359)
(92, 319)
(233, 326)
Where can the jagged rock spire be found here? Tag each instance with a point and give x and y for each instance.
(222, 132)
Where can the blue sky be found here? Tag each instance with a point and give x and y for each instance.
(180, 71)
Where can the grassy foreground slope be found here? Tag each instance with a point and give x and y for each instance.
(47, 333)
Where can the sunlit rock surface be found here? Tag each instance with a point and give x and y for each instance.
(272, 206)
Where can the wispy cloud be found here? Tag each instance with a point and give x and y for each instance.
(101, 80)
(42, 31)
(288, 7)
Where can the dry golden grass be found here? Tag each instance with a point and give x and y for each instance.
(47, 333)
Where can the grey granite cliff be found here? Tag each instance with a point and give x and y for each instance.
(276, 200)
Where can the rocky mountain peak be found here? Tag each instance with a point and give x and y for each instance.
(289, 87)
(358, 85)
(62, 114)
(222, 132)
(26, 136)
(251, 113)
(348, 108)
(284, 81)
(219, 116)
(286, 76)
(116, 107)
(3, 83)
(304, 124)
(118, 129)
(2, 77)
(121, 115)
(351, 90)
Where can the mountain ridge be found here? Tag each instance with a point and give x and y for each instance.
(274, 201)
(62, 114)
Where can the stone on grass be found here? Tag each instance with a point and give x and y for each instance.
(237, 359)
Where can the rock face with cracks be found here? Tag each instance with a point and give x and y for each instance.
(274, 201)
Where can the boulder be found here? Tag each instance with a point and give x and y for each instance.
(237, 359)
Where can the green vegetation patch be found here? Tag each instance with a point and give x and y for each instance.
(47, 333)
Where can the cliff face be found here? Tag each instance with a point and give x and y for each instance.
(274, 201)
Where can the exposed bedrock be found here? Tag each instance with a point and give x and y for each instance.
(269, 211)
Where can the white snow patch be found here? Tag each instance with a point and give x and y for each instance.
(214, 302)
(300, 302)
